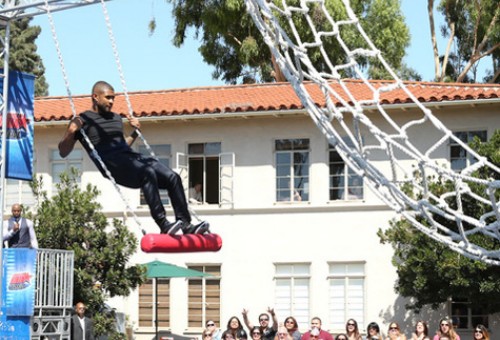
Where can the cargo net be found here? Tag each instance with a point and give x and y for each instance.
(398, 170)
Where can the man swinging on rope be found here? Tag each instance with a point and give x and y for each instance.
(129, 168)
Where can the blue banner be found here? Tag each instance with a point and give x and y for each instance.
(14, 327)
(19, 280)
(19, 131)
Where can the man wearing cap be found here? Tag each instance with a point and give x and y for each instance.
(316, 333)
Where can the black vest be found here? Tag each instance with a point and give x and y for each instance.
(21, 239)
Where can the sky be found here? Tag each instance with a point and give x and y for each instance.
(151, 62)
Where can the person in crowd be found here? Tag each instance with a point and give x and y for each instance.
(255, 333)
(283, 334)
(446, 330)
(341, 336)
(268, 332)
(316, 328)
(211, 328)
(195, 194)
(82, 327)
(292, 328)
(234, 326)
(394, 332)
(18, 231)
(206, 335)
(227, 335)
(104, 130)
(373, 332)
(481, 333)
(352, 330)
(421, 331)
(242, 335)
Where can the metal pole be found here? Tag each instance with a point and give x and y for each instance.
(6, 43)
(156, 307)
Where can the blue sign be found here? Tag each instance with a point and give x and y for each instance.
(19, 130)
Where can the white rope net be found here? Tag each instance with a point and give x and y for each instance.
(344, 119)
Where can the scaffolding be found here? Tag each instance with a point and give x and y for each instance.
(53, 294)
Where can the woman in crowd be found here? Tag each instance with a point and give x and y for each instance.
(373, 332)
(255, 333)
(227, 335)
(446, 330)
(481, 333)
(235, 327)
(351, 328)
(292, 328)
(341, 337)
(421, 331)
(395, 332)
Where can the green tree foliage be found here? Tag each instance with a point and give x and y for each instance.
(233, 45)
(429, 272)
(472, 26)
(23, 56)
(72, 220)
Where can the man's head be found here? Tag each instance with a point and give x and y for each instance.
(16, 210)
(316, 323)
(80, 309)
(264, 320)
(103, 97)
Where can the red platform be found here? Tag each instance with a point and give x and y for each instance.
(163, 243)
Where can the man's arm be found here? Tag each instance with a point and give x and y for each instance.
(31, 229)
(7, 234)
(134, 122)
(68, 141)
(245, 319)
(275, 319)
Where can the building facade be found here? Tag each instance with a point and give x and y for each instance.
(299, 228)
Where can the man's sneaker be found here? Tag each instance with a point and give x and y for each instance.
(200, 228)
(171, 228)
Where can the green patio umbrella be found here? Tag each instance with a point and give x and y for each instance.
(157, 269)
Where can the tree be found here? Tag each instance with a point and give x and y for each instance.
(233, 45)
(429, 272)
(473, 27)
(23, 56)
(72, 220)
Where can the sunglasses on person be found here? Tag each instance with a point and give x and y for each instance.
(445, 324)
(206, 335)
(255, 333)
(351, 324)
(479, 331)
(210, 324)
(393, 328)
(264, 319)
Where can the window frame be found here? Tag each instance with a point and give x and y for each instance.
(355, 192)
(467, 158)
(346, 276)
(208, 311)
(286, 188)
(74, 158)
(302, 315)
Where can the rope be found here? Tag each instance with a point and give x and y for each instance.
(94, 152)
(276, 21)
(124, 86)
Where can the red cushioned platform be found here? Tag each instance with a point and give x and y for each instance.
(162, 243)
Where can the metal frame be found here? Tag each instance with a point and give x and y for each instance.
(53, 295)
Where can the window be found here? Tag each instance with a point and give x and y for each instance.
(147, 305)
(292, 170)
(344, 183)
(60, 165)
(204, 296)
(19, 192)
(203, 164)
(163, 153)
(465, 317)
(346, 294)
(459, 158)
(292, 291)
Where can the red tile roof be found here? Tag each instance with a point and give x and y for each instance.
(256, 97)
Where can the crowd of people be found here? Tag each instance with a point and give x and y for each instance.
(289, 330)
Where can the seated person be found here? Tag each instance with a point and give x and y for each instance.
(195, 194)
